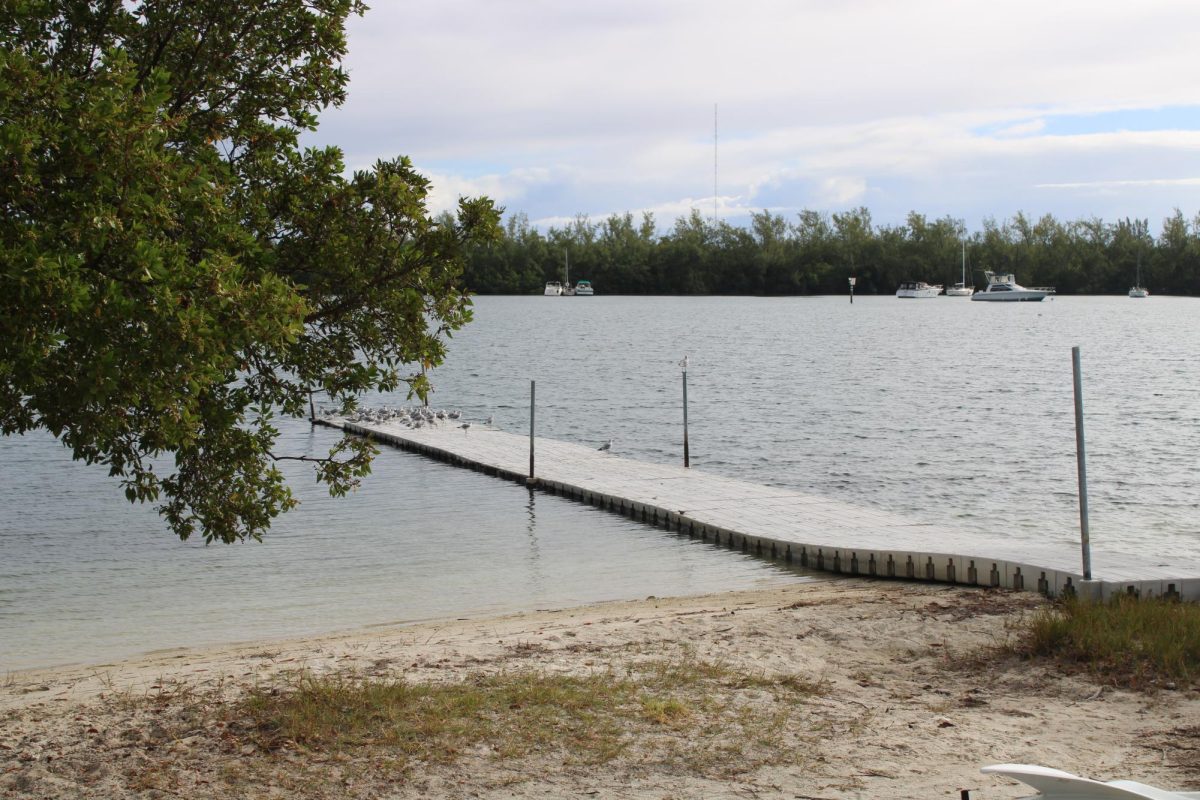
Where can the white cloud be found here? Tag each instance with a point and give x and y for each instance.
(1023, 128)
(1122, 184)
(940, 106)
(841, 191)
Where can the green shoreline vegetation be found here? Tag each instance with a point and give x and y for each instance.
(1126, 641)
(815, 252)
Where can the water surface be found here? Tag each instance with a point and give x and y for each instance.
(946, 410)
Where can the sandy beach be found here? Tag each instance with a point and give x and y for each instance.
(914, 693)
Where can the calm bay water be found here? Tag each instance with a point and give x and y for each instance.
(947, 410)
(951, 411)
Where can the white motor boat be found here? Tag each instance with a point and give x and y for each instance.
(1054, 784)
(961, 289)
(584, 289)
(912, 289)
(1003, 287)
(553, 289)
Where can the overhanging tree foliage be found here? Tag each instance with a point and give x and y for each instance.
(178, 271)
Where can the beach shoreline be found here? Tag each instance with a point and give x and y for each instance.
(918, 695)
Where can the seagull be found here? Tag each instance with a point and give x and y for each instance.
(488, 421)
(606, 446)
(684, 363)
(465, 425)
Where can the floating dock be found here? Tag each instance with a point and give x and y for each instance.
(815, 532)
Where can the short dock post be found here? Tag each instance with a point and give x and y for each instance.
(852, 280)
(1081, 459)
(686, 460)
(532, 397)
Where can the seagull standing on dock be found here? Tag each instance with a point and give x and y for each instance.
(606, 446)
(465, 425)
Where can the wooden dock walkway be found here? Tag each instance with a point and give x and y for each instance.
(815, 532)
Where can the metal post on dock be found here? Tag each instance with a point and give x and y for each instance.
(532, 398)
(686, 460)
(852, 280)
(1081, 459)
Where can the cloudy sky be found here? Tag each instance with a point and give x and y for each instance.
(971, 109)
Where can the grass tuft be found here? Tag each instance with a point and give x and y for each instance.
(1127, 641)
(574, 719)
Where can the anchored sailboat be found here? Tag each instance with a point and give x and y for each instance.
(961, 289)
(1137, 290)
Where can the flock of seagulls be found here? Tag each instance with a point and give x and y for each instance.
(410, 417)
(419, 417)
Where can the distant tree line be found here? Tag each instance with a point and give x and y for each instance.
(815, 253)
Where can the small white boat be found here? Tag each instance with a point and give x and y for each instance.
(912, 289)
(1003, 287)
(961, 289)
(1137, 290)
(1054, 784)
(584, 289)
(553, 289)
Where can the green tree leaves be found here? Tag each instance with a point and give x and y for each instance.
(177, 270)
(815, 252)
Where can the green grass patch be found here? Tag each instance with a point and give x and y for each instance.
(646, 711)
(1128, 641)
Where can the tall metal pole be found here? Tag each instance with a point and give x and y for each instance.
(1081, 458)
(714, 163)
(686, 461)
(532, 398)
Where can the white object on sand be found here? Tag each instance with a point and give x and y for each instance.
(1054, 784)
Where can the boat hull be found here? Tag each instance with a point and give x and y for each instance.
(1002, 288)
(1010, 297)
(910, 291)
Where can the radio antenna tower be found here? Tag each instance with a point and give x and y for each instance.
(714, 163)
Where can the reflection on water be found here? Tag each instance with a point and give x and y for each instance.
(537, 581)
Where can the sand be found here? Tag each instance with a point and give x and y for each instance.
(919, 694)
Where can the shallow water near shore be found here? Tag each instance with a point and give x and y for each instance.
(950, 411)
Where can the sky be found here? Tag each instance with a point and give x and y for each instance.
(972, 110)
